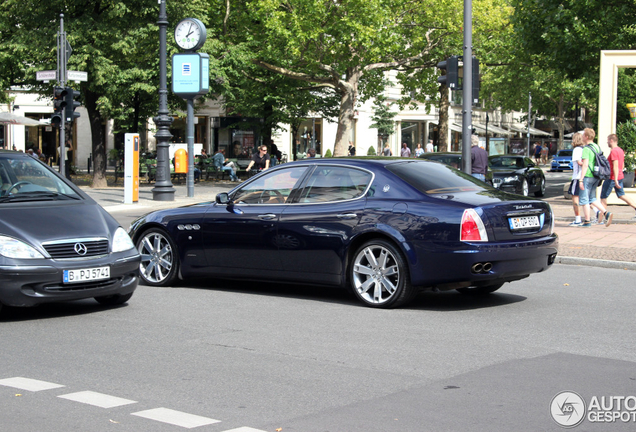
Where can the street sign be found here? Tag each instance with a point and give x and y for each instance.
(76, 76)
(69, 49)
(49, 75)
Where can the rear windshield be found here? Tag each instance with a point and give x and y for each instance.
(435, 177)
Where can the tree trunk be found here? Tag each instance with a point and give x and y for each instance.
(348, 92)
(444, 103)
(98, 145)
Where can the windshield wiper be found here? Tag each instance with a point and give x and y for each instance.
(38, 195)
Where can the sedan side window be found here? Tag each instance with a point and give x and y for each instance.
(270, 188)
(335, 184)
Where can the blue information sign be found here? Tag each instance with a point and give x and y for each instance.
(190, 74)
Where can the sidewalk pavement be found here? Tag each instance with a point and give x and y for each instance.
(600, 246)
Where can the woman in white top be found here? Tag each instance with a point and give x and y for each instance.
(577, 152)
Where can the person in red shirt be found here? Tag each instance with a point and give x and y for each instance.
(616, 159)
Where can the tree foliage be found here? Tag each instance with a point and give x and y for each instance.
(342, 46)
(115, 41)
(570, 34)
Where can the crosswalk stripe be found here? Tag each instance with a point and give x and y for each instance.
(245, 429)
(28, 384)
(176, 418)
(97, 399)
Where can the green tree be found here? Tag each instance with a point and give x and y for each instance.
(569, 34)
(115, 41)
(343, 46)
(383, 119)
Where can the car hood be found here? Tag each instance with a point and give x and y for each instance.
(39, 223)
(562, 158)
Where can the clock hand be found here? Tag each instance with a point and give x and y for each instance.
(190, 31)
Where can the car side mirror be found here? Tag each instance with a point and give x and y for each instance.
(222, 198)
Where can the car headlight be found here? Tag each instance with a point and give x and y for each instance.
(510, 179)
(13, 248)
(122, 241)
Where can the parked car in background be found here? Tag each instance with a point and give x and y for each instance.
(517, 174)
(385, 228)
(562, 160)
(56, 243)
(453, 159)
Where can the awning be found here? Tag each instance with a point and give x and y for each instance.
(454, 127)
(571, 134)
(10, 118)
(492, 129)
(533, 131)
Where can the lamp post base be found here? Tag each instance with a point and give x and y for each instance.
(163, 193)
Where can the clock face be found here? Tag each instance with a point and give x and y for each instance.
(189, 34)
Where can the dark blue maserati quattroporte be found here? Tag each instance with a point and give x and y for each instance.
(384, 227)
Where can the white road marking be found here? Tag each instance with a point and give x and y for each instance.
(28, 384)
(245, 429)
(176, 418)
(97, 399)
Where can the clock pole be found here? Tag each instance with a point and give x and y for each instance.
(163, 190)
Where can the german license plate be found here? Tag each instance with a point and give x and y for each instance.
(86, 275)
(523, 222)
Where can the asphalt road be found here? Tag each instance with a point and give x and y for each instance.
(259, 357)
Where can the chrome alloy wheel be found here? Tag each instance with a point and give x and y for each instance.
(376, 274)
(157, 258)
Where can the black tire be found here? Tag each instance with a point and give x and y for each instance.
(482, 290)
(379, 275)
(541, 190)
(113, 300)
(159, 264)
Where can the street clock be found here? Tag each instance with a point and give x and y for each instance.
(190, 34)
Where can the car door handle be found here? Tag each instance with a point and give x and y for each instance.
(267, 216)
(347, 216)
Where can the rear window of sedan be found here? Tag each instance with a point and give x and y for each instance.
(435, 178)
(329, 183)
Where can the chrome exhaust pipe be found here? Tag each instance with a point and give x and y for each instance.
(477, 268)
(487, 267)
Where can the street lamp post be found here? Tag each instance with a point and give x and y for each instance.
(163, 190)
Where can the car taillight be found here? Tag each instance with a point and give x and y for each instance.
(472, 228)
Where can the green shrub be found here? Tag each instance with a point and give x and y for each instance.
(626, 133)
(328, 153)
(371, 151)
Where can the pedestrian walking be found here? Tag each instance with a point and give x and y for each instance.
(544, 154)
(588, 183)
(577, 153)
(387, 150)
(537, 153)
(419, 151)
(616, 159)
(429, 147)
(405, 152)
(478, 159)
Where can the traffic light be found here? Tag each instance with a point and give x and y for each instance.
(451, 66)
(59, 103)
(71, 104)
(475, 76)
